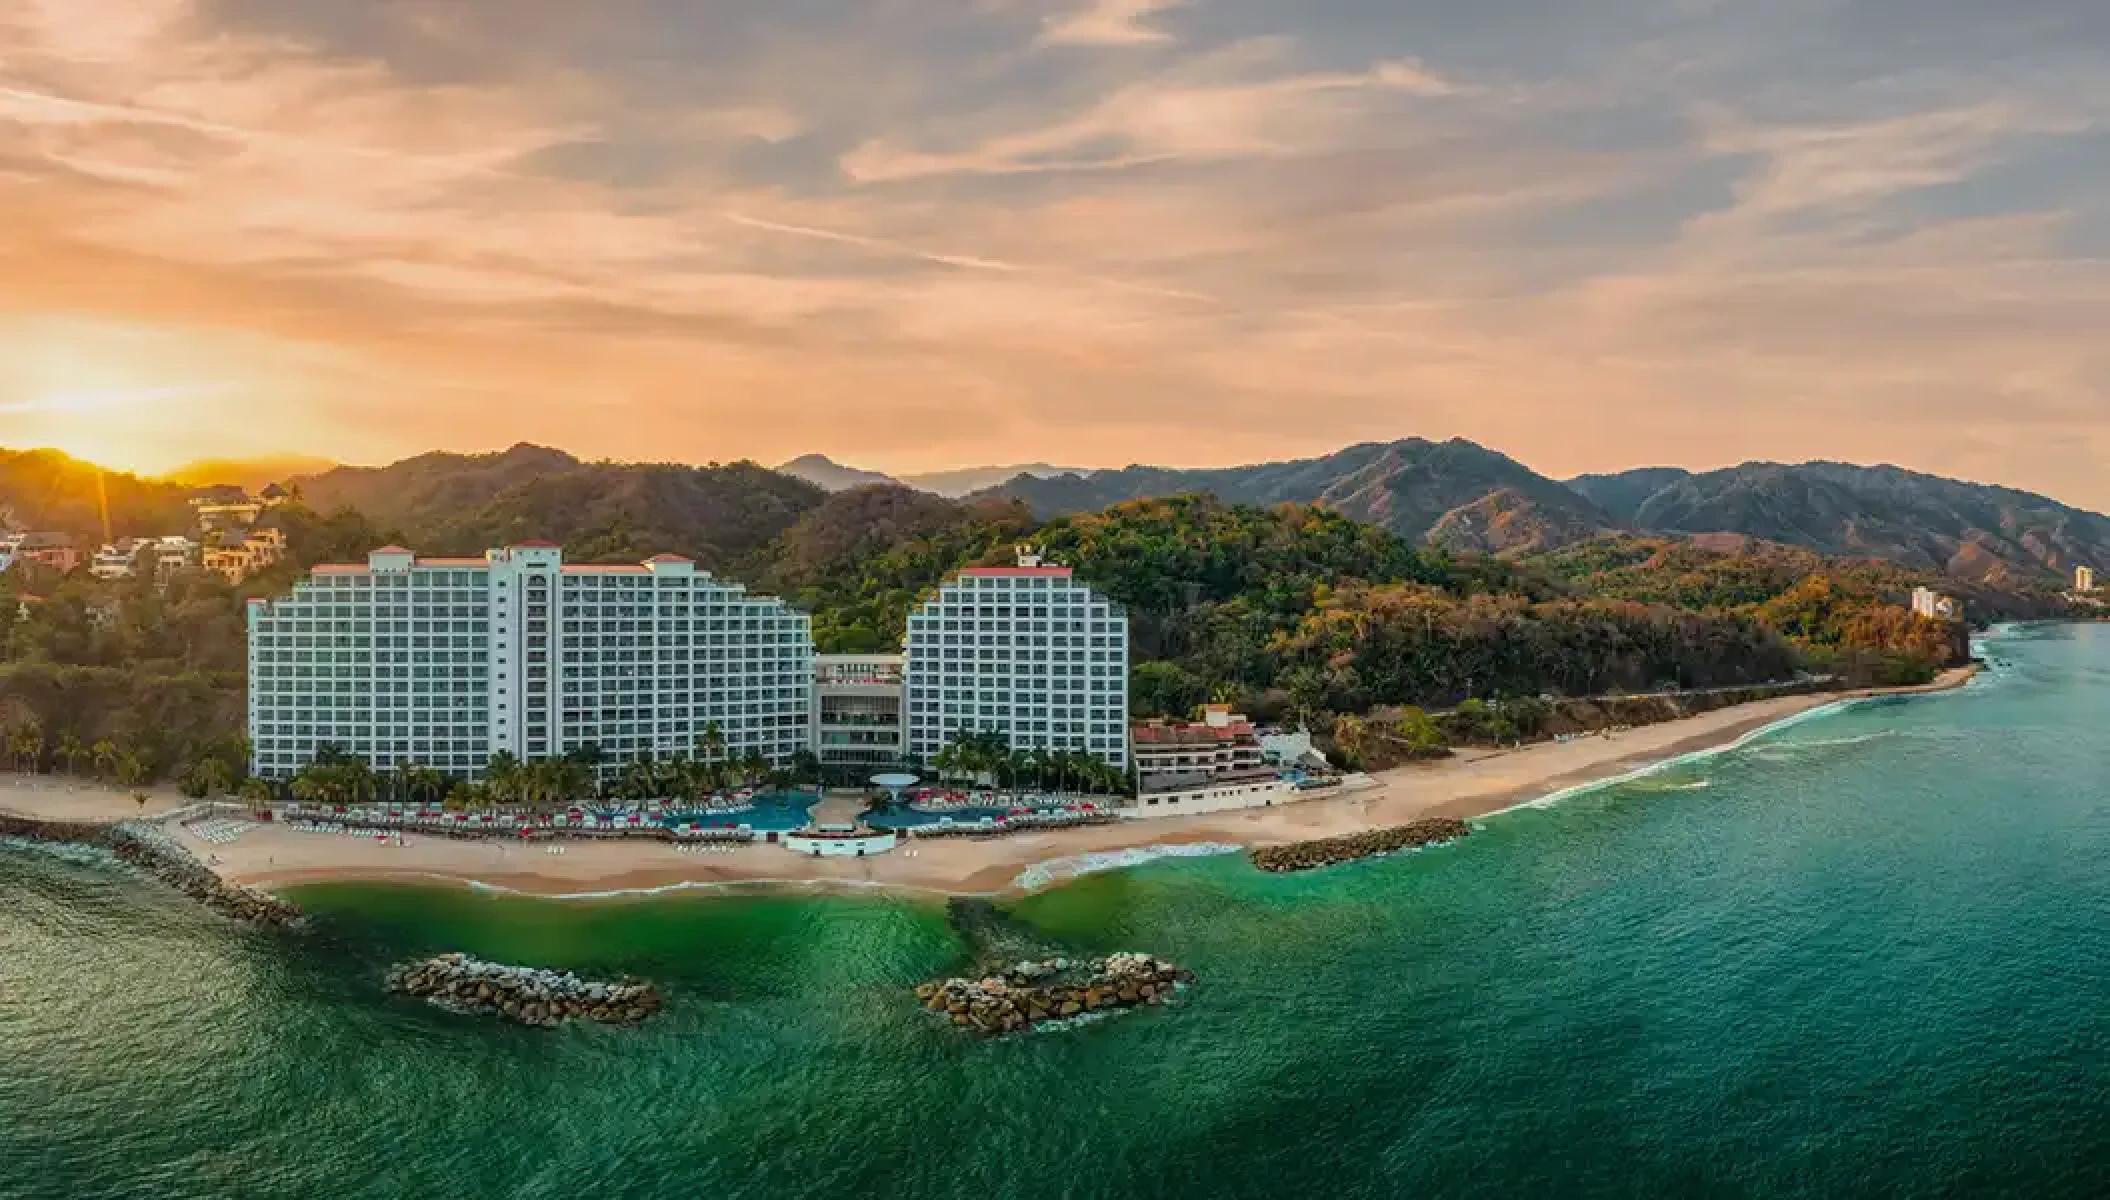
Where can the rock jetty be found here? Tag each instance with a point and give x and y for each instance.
(1056, 989)
(528, 995)
(1325, 852)
(156, 854)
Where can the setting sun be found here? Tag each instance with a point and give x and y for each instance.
(122, 397)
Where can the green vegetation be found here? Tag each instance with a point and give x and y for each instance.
(1293, 611)
(1844, 616)
(970, 757)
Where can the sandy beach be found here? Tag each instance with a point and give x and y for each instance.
(1473, 784)
(64, 798)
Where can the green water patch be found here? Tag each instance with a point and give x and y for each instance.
(720, 945)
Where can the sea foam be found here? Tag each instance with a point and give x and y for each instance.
(1056, 870)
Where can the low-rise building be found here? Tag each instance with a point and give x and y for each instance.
(236, 559)
(116, 560)
(172, 554)
(127, 558)
(54, 550)
(1176, 754)
(1933, 605)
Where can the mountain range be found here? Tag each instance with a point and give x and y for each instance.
(1455, 494)
(824, 472)
(1467, 497)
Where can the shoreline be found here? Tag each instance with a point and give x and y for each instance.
(1472, 786)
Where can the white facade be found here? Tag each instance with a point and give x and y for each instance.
(860, 715)
(1214, 796)
(829, 843)
(1933, 605)
(444, 662)
(1024, 651)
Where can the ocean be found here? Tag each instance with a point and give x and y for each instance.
(1868, 955)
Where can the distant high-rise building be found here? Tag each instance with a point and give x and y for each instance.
(1933, 605)
(2084, 579)
(1025, 651)
(444, 662)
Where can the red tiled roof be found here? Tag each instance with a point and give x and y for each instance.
(1156, 733)
(393, 550)
(669, 558)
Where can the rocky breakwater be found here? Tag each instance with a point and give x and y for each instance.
(1056, 989)
(154, 853)
(1325, 852)
(528, 995)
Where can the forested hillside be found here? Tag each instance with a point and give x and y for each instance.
(46, 490)
(1293, 610)
(463, 504)
(1969, 532)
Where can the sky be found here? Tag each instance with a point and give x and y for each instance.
(912, 234)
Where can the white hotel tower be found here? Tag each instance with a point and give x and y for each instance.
(1026, 651)
(444, 662)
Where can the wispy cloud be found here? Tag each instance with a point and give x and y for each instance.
(1108, 23)
(927, 232)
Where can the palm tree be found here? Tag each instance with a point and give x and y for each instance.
(131, 769)
(502, 773)
(255, 793)
(710, 744)
(105, 752)
(946, 762)
(72, 751)
(212, 776)
(24, 744)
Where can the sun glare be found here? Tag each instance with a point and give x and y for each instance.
(125, 428)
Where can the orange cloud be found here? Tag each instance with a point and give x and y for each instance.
(1024, 229)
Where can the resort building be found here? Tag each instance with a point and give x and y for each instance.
(231, 509)
(1174, 754)
(54, 550)
(445, 662)
(1933, 605)
(860, 703)
(117, 560)
(2084, 579)
(128, 557)
(1025, 651)
(237, 558)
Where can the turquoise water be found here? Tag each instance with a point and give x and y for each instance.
(1865, 956)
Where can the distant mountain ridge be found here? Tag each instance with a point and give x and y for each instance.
(1456, 493)
(831, 476)
(824, 472)
(249, 474)
(1976, 532)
